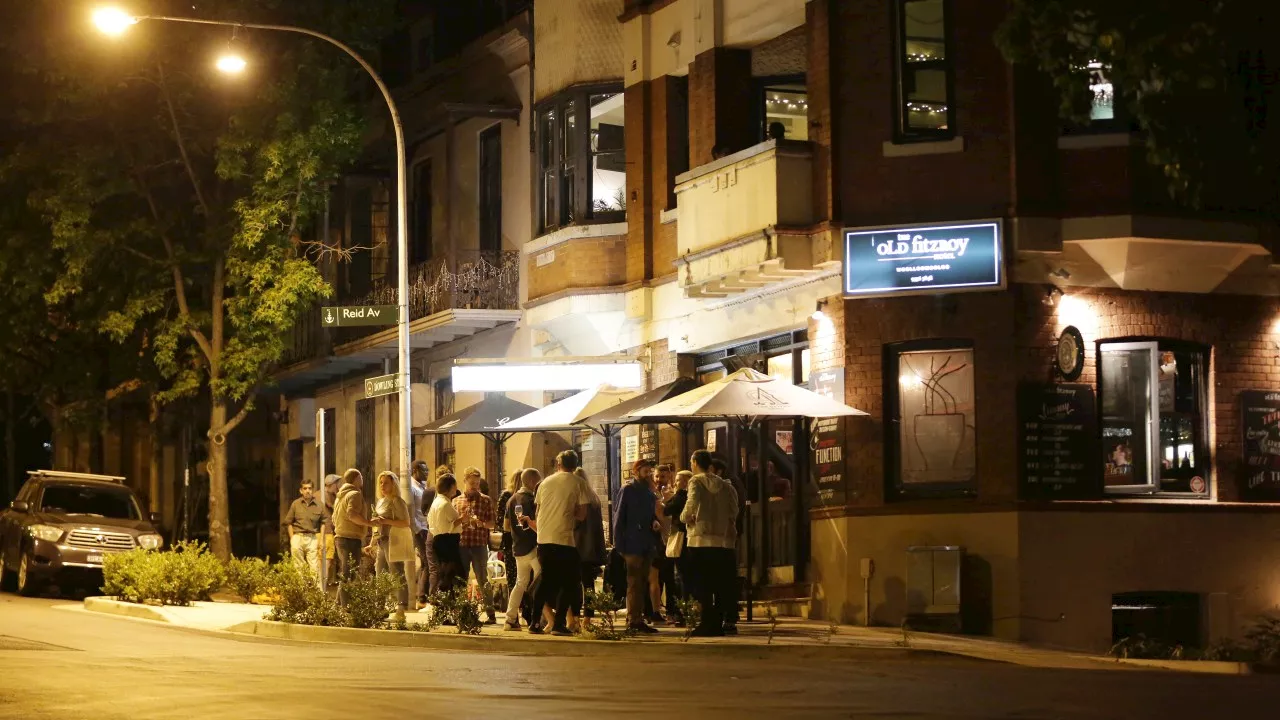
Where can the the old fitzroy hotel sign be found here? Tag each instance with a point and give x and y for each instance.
(923, 259)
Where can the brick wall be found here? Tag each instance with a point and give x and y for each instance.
(588, 262)
(719, 97)
(1014, 335)
(1241, 331)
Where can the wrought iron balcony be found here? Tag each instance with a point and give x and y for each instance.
(479, 282)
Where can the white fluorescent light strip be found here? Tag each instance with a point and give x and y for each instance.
(517, 378)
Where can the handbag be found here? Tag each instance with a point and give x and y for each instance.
(675, 544)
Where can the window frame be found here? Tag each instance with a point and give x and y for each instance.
(1153, 488)
(902, 133)
(578, 211)
(892, 364)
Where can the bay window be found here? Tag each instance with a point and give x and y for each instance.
(1154, 422)
(930, 421)
(581, 158)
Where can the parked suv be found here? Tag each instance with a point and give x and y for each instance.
(62, 525)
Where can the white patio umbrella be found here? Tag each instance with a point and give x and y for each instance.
(569, 414)
(748, 394)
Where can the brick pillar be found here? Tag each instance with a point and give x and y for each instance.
(639, 135)
(720, 100)
(818, 82)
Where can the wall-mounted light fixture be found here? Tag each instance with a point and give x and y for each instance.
(1061, 274)
(819, 311)
(1052, 295)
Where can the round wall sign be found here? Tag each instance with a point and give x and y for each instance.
(1070, 355)
(1197, 484)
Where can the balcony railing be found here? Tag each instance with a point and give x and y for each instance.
(480, 282)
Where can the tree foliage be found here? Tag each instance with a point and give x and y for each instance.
(1196, 76)
(175, 199)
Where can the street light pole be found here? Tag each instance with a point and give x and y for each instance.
(117, 21)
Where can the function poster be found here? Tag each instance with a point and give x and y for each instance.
(1261, 423)
(1057, 442)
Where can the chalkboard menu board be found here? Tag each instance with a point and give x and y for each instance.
(1261, 423)
(1058, 442)
(826, 444)
(649, 442)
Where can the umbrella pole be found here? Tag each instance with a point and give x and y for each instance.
(763, 492)
(741, 426)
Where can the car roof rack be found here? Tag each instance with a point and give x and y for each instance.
(76, 476)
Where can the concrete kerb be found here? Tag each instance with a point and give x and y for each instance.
(111, 606)
(568, 647)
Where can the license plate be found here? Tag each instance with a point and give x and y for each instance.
(94, 559)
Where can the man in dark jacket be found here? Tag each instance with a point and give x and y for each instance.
(719, 468)
(635, 526)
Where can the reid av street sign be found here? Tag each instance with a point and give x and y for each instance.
(382, 385)
(359, 315)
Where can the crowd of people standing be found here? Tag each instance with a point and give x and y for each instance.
(674, 535)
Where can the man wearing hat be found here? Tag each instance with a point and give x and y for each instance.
(635, 526)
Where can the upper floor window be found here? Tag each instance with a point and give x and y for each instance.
(582, 165)
(1102, 101)
(1154, 422)
(924, 70)
(786, 110)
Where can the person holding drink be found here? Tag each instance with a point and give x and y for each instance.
(393, 537)
(524, 543)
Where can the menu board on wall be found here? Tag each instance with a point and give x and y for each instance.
(1261, 423)
(826, 445)
(649, 442)
(1057, 442)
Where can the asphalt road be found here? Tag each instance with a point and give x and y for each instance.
(59, 661)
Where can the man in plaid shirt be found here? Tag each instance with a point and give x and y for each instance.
(477, 515)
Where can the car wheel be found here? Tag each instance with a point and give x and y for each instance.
(6, 578)
(27, 585)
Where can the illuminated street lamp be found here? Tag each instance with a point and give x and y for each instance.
(231, 64)
(115, 22)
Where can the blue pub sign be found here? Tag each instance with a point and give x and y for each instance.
(917, 259)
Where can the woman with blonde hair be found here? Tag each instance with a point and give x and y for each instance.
(394, 537)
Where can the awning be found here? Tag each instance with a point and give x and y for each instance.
(478, 419)
(569, 413)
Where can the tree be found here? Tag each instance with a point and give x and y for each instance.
(202, 188)
(1194, 75)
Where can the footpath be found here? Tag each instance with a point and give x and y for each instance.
(791, 637)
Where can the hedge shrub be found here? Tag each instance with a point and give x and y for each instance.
(179, 576)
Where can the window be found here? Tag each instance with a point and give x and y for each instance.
(421, 243)
(445, 448)
(117, 504)
(491, 193)
(1154, 430)
(582, 159)
(924, 71)
(1102, 107)
(360, 242)
(786, 110)
(929, 436)
(366, 429)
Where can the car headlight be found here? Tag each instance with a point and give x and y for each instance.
(48, 533)
(150, 541)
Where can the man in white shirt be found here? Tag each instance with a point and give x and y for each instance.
(561, 503)
(418, 523)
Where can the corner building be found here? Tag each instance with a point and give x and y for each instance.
(1070, 377)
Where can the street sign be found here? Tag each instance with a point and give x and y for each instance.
(379, 386)
(359, 315)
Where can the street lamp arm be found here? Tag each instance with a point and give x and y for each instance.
(377, 79)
